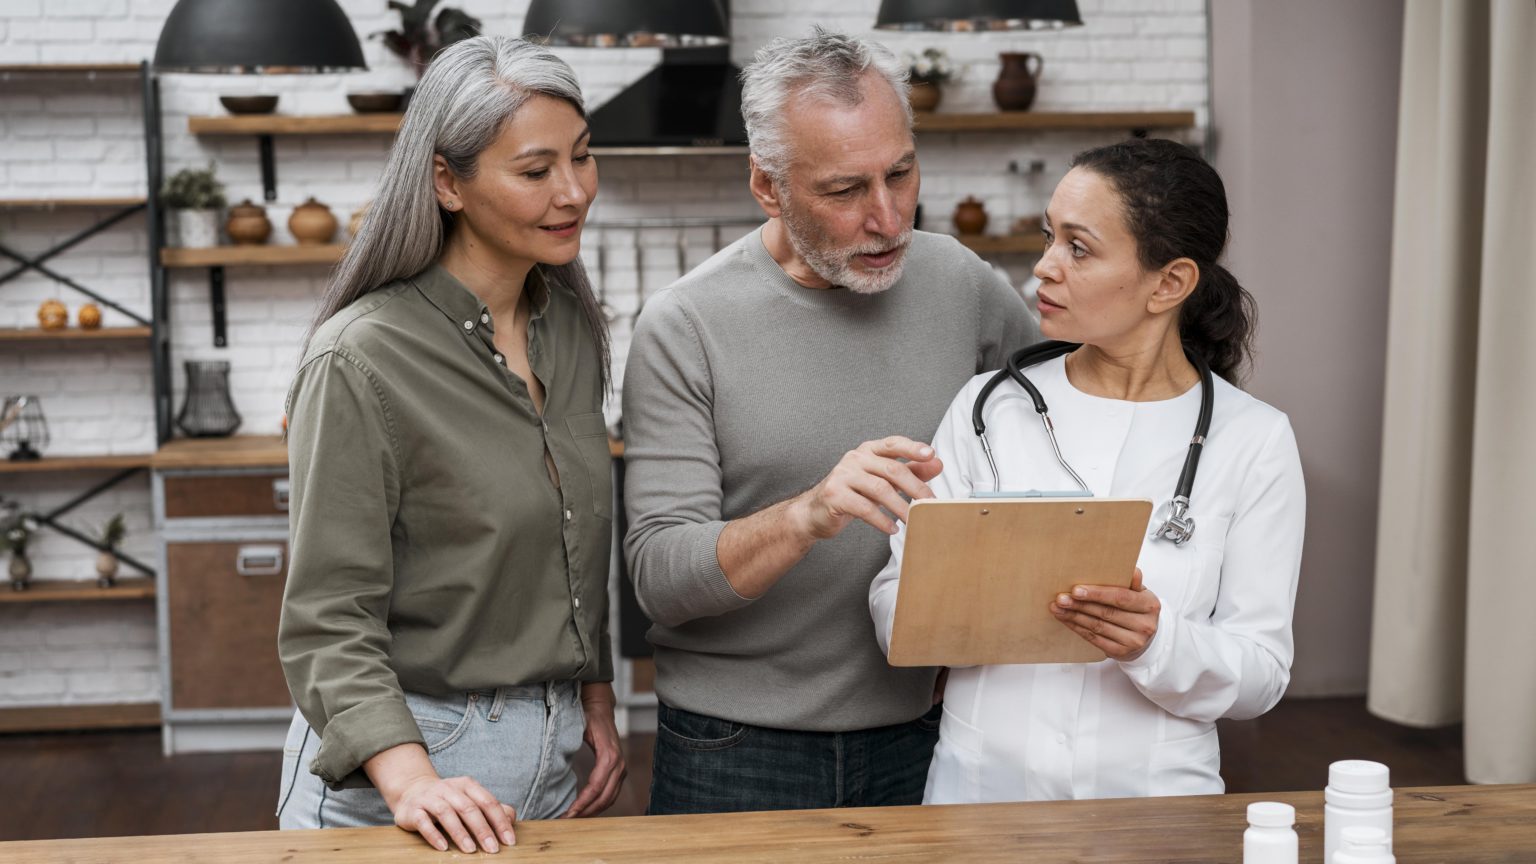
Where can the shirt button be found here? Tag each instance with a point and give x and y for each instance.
(485, 319)
(567, 514)
(1062, 738)
(500, 359)
(576, 601)
(469, 325)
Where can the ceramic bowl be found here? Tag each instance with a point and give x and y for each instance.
(249, 104)
(374, 103)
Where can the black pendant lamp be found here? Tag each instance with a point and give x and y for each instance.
(258, 36)
(977, 15)
(627, 23)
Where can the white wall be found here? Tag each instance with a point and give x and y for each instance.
(1305, 116)
(75, 138)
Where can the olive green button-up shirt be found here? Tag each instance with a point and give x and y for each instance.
(431, 550)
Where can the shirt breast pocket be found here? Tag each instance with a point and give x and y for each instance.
(1210, 542)
(591, 434)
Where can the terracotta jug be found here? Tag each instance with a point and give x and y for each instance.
(1014, 89)
(248, 224)
(970, 216)
(312, 223)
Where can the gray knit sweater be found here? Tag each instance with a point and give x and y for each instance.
(744, 389)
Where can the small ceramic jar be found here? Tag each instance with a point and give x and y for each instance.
(970, 216)
(312, 223)
(248, 224)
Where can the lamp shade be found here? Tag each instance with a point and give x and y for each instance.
(977, 15)
(252, 36)
(627, 23)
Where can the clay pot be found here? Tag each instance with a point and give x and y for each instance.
(312, 223)
(89, 317)
(248, 224)
(52, 315)
(925, 95)
(970, 216)
(1014, 89)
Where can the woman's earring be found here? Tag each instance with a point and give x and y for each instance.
(451, 206)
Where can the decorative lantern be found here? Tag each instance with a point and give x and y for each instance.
(23, 428)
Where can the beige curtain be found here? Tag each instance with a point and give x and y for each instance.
(1455, 595)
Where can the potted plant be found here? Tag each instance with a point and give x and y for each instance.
(192, 199)
(112, 535)
(420, 38)
(15, 532)
(926, 71)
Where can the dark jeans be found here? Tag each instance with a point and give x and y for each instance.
(706, 765)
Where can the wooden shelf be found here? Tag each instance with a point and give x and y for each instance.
(281, 124)
(75, 334)
(68, 203)
(57, 464)
(68, 68)
(60, 590)
(1053, 120)
(236, 451)
(238, 256)
(60, 718)
(1006, 244)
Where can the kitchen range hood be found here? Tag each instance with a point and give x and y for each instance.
(692, 99)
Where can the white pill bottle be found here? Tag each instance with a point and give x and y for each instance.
(1270, 839)
(1361, 845)
(1358, 794)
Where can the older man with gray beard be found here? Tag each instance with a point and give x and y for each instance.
(754, 529)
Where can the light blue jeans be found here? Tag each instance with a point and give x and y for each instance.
(517, 742)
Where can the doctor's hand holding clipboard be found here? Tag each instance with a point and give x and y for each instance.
(1118, 621)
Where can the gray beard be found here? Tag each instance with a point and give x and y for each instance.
(836, 264)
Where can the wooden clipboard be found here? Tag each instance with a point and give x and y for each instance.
(978, 576)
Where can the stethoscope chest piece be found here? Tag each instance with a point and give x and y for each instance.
(1179, 526)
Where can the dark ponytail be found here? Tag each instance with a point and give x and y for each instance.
(1176, 207)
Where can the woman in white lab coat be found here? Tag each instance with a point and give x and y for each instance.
(1133, 233)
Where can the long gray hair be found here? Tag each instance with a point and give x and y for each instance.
(468, 93)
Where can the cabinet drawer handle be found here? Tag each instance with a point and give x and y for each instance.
(259, 560)
(280, 494)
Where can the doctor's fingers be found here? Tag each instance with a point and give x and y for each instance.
(1093, 615)
(1120, 598)
(1104, 641)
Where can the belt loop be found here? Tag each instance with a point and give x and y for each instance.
(498, 703)
(549, 694)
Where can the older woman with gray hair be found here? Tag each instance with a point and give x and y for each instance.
(444, 626)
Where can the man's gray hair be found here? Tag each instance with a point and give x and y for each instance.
(823, 65)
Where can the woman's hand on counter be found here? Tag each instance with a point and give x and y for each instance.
(432, 806)
(602, 735)
(1118, 621)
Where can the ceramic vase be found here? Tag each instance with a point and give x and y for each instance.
(1014, 89)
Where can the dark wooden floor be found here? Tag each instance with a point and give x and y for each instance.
(117, 783)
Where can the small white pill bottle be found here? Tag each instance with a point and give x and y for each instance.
(1362, 845)
(1270, 839)
(1358, 794)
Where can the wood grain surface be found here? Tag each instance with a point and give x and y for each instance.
(1464, 824)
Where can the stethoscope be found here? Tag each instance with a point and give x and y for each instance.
(1180, 526)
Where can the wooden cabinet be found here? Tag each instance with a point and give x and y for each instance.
(223, 602)
(222, 509)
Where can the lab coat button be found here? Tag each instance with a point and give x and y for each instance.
(1062, 738)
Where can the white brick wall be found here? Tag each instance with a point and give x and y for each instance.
(73, 137)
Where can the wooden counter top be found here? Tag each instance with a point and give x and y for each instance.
(246, 451)
(1464, 824)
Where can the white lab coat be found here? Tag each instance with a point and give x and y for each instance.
(1223, 646)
